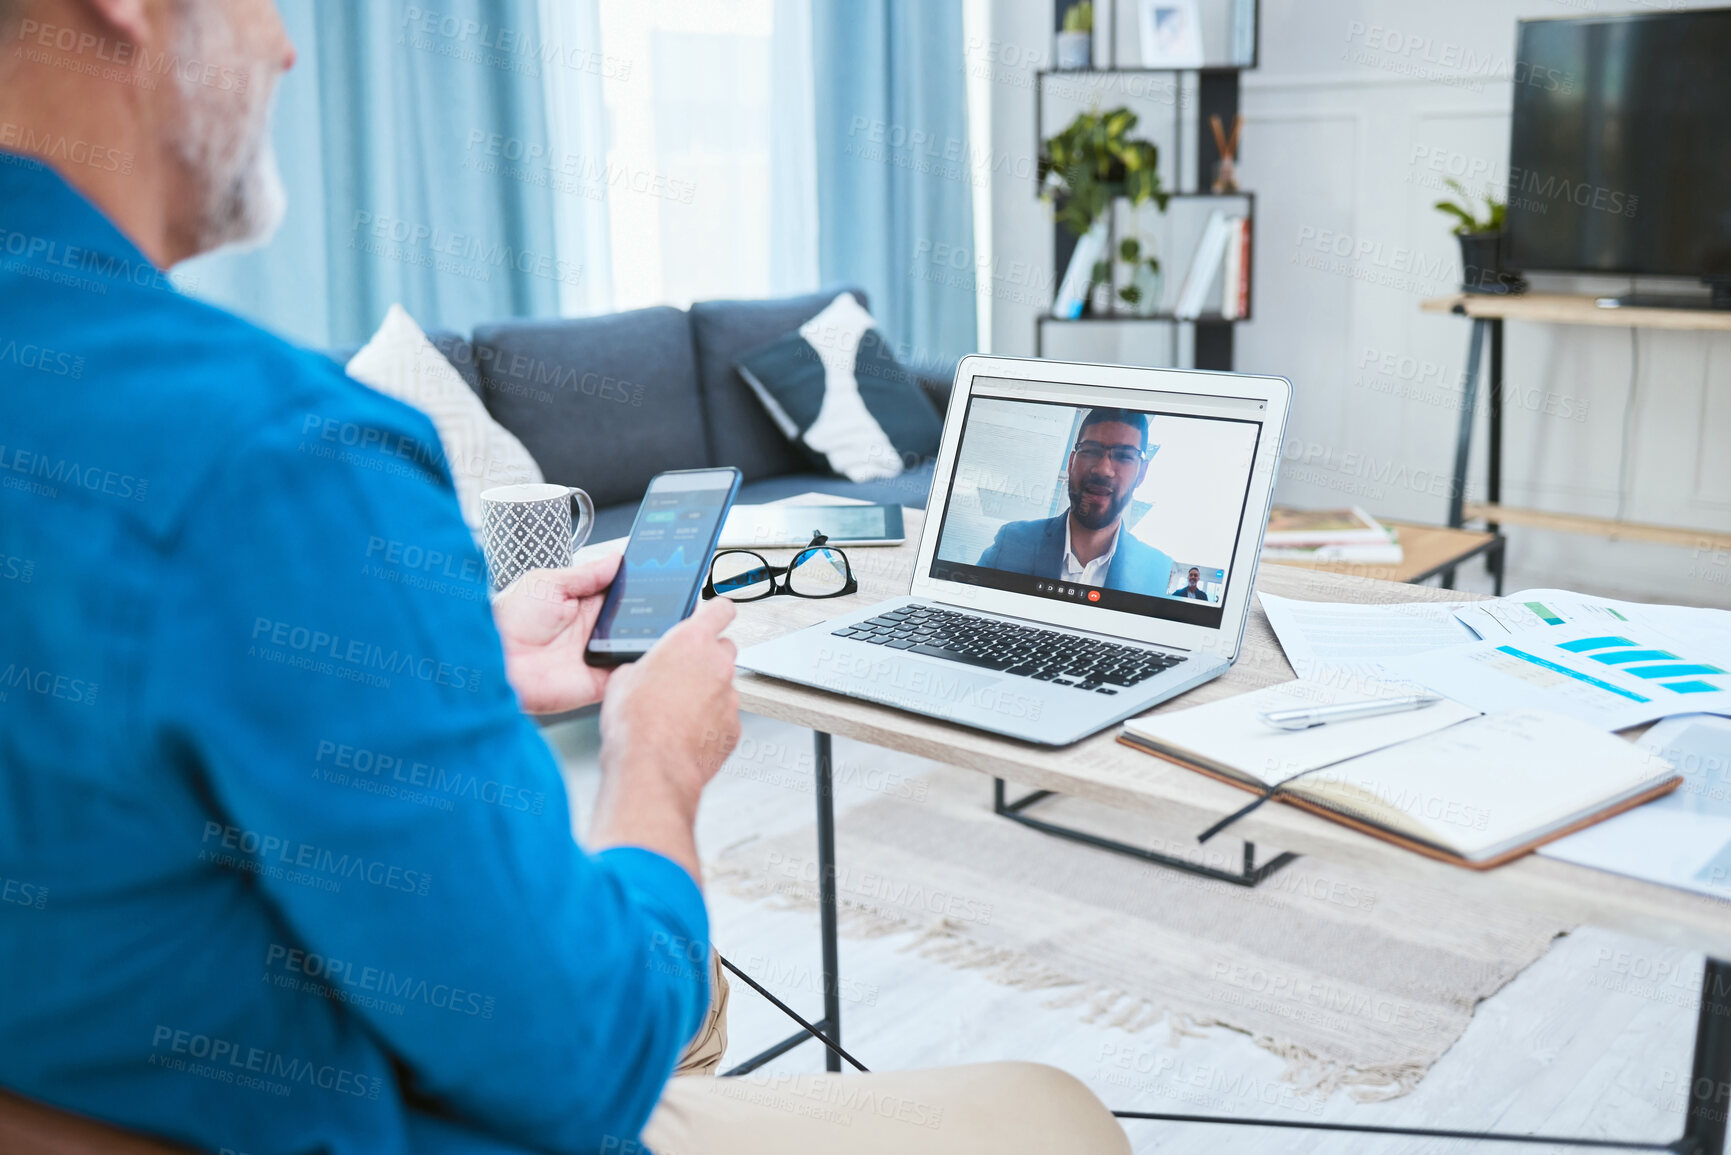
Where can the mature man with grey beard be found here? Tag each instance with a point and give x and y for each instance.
(222, 927)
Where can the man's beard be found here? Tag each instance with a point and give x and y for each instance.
(1114, 507)
(222, 138)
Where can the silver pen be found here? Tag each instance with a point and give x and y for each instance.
(1307, 716)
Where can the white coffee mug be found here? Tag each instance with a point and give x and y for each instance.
(525, 527)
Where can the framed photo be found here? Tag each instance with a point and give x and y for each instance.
(1171, 34)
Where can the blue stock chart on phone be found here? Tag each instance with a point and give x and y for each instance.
(664, 563)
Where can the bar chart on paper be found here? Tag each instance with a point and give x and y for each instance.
(1609, 679)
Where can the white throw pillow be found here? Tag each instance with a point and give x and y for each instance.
(400, 362)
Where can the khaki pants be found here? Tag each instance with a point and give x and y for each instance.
(980, 1109)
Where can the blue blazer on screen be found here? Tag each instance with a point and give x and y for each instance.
(1037, 548)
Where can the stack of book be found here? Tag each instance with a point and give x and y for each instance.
(1223, 252)
(1329, 535)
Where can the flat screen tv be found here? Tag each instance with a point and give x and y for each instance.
(1620, 149)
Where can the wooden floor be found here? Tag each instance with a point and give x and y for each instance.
(1584, 1043)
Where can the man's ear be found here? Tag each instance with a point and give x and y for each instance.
(130, 18)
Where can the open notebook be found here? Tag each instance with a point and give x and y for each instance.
(1474, 789)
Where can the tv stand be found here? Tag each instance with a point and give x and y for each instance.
(1718, 297)
(1487, 314)
(1664, 301)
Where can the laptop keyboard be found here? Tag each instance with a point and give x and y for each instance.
(1044, 655)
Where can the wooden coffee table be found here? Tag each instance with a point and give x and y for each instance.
(1430, 550)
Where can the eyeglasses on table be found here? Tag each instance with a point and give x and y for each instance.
(817, 571)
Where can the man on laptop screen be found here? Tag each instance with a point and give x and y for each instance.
(1086, 544)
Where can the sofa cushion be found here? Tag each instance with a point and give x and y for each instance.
(454, 346)
(835, 389)
(740, 432)
(604, 403)
(400, 362)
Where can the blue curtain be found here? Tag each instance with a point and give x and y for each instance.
(413, 149)
(894, 170)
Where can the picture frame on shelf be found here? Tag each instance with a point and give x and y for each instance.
(1171, 33)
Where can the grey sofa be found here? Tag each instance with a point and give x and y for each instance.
(607, 402)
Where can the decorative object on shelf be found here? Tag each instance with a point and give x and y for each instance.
(1076, 291)
(1226, 172)
(1171, 34)
(1076, 41)
(1091, 163)
(1142, 292)
(1483, 243)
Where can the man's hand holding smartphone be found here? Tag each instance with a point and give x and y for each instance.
(668, 722)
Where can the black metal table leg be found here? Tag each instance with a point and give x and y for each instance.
(1710, 1077)
(1494, 446)
(827, 1029)
(826, 896)
(1464, 435)
(1249, 875)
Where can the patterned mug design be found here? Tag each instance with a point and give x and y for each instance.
(525, 527)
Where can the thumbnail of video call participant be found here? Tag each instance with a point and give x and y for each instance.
(1191, 589)
(1086, 544)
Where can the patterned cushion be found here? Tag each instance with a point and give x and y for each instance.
(834, 389)
(400, 362)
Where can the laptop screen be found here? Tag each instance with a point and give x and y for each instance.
(1130, 509)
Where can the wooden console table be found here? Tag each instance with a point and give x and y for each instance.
(1487, 313)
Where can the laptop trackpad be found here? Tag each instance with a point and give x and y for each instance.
(925, 687)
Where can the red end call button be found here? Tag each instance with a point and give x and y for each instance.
(1093, 595)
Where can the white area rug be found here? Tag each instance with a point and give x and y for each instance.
(1357, 982)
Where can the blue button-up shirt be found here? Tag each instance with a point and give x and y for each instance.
(283, 868)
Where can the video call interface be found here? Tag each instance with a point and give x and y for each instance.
(1129, 510)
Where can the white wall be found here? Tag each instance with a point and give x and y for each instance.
(1343, 124)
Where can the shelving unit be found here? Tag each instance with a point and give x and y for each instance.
(1217, 95)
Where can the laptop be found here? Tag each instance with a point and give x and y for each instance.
(1089, 551)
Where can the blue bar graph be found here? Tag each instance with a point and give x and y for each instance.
(1581, 645)
(1575, 674)
(1692, 687)
(1621, 656)
(1656, 672)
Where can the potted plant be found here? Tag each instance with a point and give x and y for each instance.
(1082, 170)
(1142, 293)
(1076, 40)
(1482, 241)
